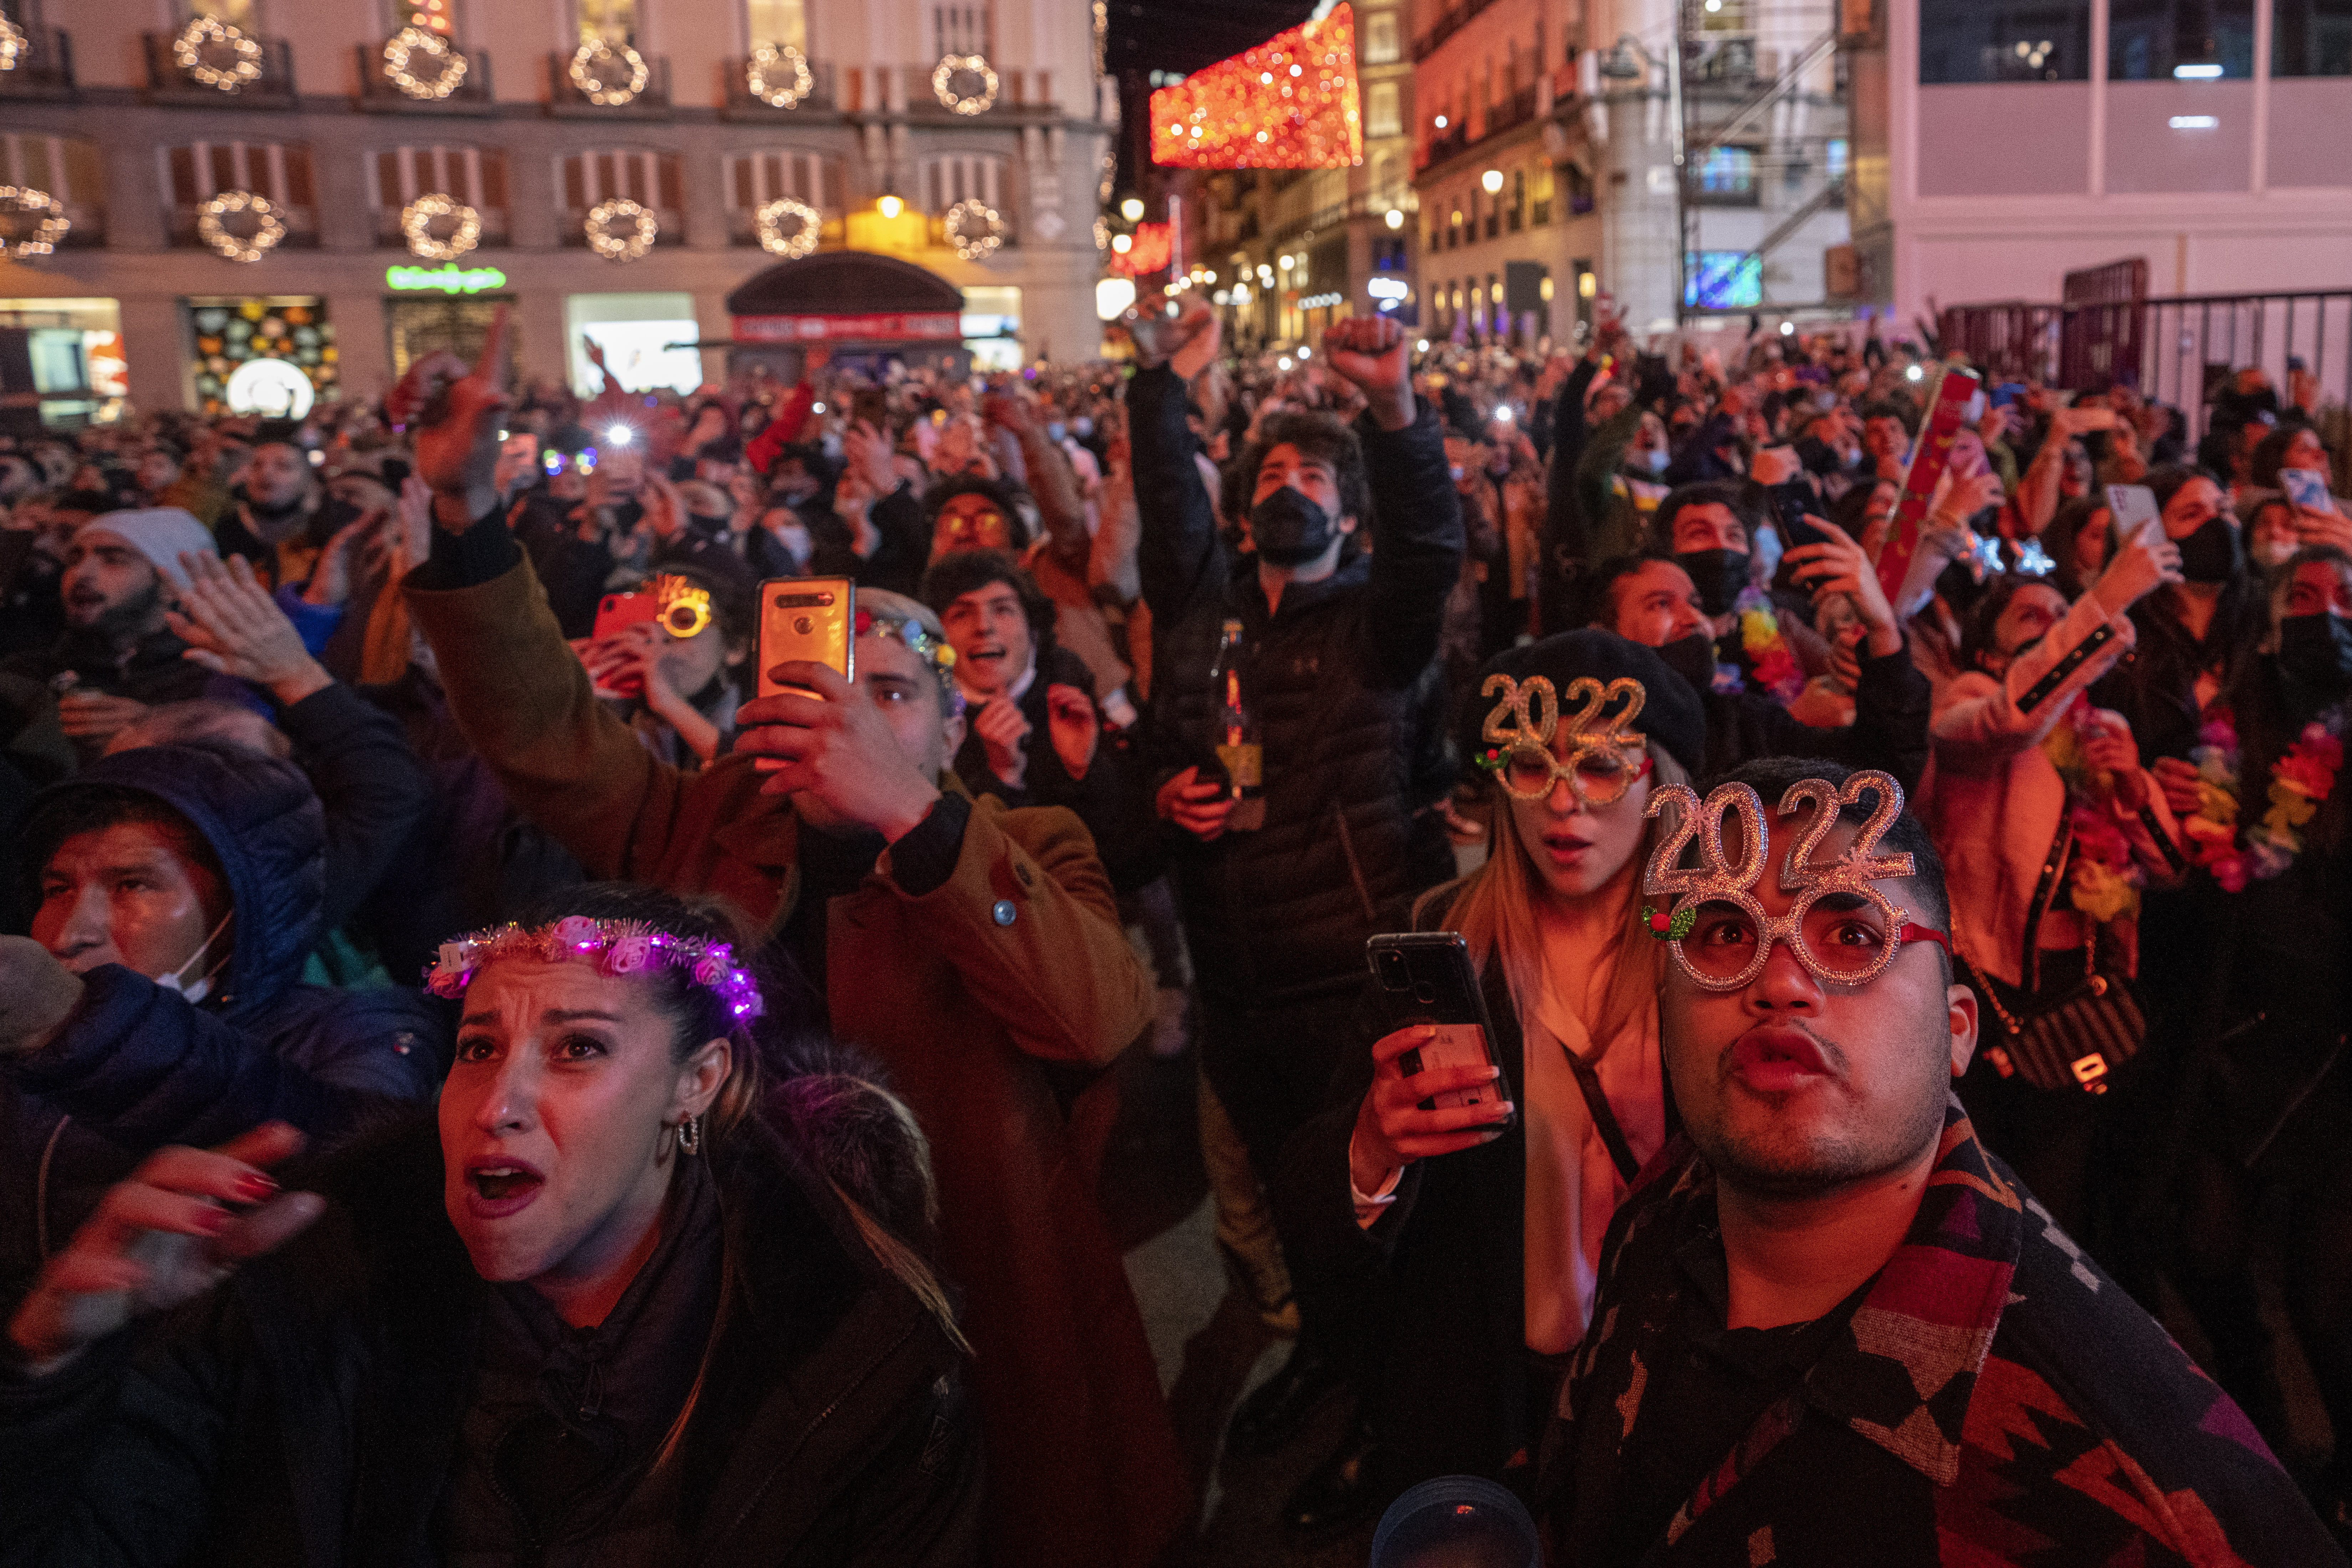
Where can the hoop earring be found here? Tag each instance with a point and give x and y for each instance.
(689, 1136)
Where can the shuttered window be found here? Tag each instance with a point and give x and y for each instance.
(196, 172)
(474, 175)
(70, 169)
(959, 177)
(649, 178)
(754, 179)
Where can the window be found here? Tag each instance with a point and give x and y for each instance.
(1723, 280)
(2187, 40)
(1380, 114)
(962, 30)
(71, 170)
(2006, 40)
(431, 16)
(242, 15)
(1833, 158)
(1518, 209)
(198, 171)
(1543, 187)
(613, 21)
(648, 178)
(2311, 38)
(777, 21)
(963, 176)
(474, 175)
(755, 179)
(1726, 178)
(1380, 38)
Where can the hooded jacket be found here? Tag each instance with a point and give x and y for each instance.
(309, 1412)
(138, 1067)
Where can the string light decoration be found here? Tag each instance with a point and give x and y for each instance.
(801, 241)
(13, 45)
(268, 227)
(1147, 250)
(203, 39)
(779, 75)
(31, 222)
(417, 219)
(943, 85)
(589, 63)
(412, 46)
(621, 230)
(974, 229)
(1289, 103)
(1102, 237)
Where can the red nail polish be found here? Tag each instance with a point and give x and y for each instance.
(255, 1188)
(211, 1222)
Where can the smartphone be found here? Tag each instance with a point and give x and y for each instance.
(2006, 393)
(871, 405)
(1426, 977)
(2088, 419)
(2307, 489)
(616, 614)
(1791, 505)
(806, 618)
(2131, 508)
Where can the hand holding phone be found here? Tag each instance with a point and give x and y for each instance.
(2308, 490)
(2132, 510)
(1436, 1085)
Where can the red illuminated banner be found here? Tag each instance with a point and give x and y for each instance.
(1154, 243)
(1289, 103)
(830, 329)
(1930, 456)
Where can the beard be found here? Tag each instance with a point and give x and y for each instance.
(122, 621)
(1767, 1153)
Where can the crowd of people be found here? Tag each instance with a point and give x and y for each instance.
(495, 1068)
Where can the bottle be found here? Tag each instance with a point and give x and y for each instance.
(1238, 751)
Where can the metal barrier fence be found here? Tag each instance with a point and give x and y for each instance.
(2176, 350)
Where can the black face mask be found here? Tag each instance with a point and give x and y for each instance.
(2210, 554)
(1719, 576)
(339, 514)
(274, 513)
(1289, 529)
(2317, 651)
(1693, 658)
(626, 513)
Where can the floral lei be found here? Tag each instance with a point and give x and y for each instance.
(2299, 781)
(2103, 878)
(1775, 668)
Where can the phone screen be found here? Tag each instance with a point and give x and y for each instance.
(2307, 489)
(2133, 509)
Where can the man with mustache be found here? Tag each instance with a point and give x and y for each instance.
(1830, 1328)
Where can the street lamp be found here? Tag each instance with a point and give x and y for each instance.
(1492, 182)
(1131, 209)
(891, 206)
(1396, 217)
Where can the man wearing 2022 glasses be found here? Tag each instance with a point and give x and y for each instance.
(1826, 1276)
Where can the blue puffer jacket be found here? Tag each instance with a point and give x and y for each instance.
(139, 1066)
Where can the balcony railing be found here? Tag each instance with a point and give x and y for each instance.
(378, 94)
(741, 104)
(302, 226)
(272, 86)
(44, 67)
(566, 98)
(389, 237)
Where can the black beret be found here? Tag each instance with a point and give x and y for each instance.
(1671, 714)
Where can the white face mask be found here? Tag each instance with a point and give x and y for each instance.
(196, 990)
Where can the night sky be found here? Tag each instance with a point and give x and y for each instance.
(1184, 35)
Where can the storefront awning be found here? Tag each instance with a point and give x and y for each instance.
(844, 296)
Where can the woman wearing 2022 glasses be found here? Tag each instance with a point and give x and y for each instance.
(1480, 1241)
(608, 1311)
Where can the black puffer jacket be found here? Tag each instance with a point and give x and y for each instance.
(309, 1411)
(138, 1067)
(1350, 706)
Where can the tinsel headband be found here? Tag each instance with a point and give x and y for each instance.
(617, 947)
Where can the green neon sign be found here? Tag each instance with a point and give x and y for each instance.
(446, 277)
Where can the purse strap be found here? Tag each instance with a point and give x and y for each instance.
(2044, 891)
(1605, 1121)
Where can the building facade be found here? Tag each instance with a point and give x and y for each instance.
(1684, 158)
(178, 136)
(2019, 144)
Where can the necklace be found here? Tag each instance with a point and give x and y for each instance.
(2102, 879)
(1774, 667)
(2300, 782)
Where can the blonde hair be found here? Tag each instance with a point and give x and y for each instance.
(1496, 913)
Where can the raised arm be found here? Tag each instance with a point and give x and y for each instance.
(1179, 558)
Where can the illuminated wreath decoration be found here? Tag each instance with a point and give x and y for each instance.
(210, 33)
(943, 76)
(416, 220)
(621, 230)
(33, 221)
(771, 61)
(973, 228)
(269, 230)
(594, 53)
(411, 45)
(801, 241)
(12, 44)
